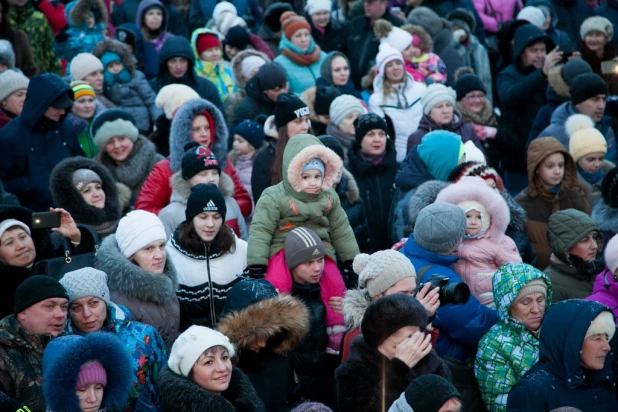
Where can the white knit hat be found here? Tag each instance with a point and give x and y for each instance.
(611, 254)
(172, 96)
(86, 282)
(398, 39)
(386, 54)
(137, 229)
(381, 270)
(314, 6)
(9, 223)
(190, 345)
(342, 106)
(584, 138)
(604, 323)
(473, 153)
(226, 21)
(532, 15)
(223, 7)
(597, 23)
(10, 82)
(83, 64)
(435, 94)
(249, 64)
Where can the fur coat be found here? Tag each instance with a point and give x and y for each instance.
(607, 219)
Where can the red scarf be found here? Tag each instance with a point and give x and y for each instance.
(303, 59)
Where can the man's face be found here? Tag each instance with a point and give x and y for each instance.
(534, 55)
(46, 317)
(374, 9)
(54, 114)
(593, 107)
(309, 272)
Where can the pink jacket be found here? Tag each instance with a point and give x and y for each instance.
(479, 258)
(429, 66)
(495, 12)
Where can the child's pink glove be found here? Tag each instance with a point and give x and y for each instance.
(480, 131)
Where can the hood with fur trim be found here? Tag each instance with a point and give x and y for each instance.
(426, 41)
(556, 82)
(519, 218)
(181, 188)
(351, 190)
(66, 196)
(131, 280)
(240, 80)
(476, 190)
(606, 217)
(180, 132)
(119, 48)
(355, 304)
(424, 195)
(82, 8)
(300, 150)
(283, 316)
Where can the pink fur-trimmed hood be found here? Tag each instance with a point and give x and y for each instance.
(475, 189)
(300, 150)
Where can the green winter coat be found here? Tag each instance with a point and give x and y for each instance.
(284, 206)
(509, 349)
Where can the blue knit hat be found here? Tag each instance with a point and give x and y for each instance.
(440, 152)
(109, 78)
(251, 131)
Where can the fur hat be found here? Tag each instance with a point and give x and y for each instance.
(314, 6)
(86, 282)
(439, 227)
(609, 188)
(532, 15)
(604, 323)
(110, 123)
(611, 254)
(36, 289)
(586, 86)
(83, 64)
(584, 139)
(10, 82)
(379, 271)
(172, 96)
(302, 245)
(435, 94)
(597, 23)
(138, 229)
(342, 106)
(393, 36)
(190, 345)
(462, 18)
(388, 314)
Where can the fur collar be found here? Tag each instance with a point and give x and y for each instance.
(82, 8)
(178, 393)
(355, 303)
(518, 214)
(284, 315)
(181, 188)
(118, 47)
(556, 82)
(180, 132)
(349, 187)
(485, 118)
(129, 279)
(605, 216)
(424, 195)
(133, 171)
(332, 165)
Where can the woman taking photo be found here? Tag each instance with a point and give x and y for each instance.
(596, 47)
(335, 71)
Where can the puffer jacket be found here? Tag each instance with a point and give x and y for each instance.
(285, 206)
(78, 37)
(480, 257)
(157, 190)
(509, 349)
(300, 78)
(151, 298)
(354, 207)
(403, 107)
(457, 125)
(605, 291)
(173, 214)
(495, 12)
(136, 96)
(558, 379)
(218, 73)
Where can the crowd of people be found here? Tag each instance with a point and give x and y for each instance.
(308, 205)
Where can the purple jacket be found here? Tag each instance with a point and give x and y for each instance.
(457, 125)
(605, 291)
(495, 12)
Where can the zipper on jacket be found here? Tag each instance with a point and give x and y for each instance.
(211, 291)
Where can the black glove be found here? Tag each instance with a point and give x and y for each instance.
(62, 35)
(349, 277)
(255, 271)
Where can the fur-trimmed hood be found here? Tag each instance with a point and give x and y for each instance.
(66, 196)
(181, 188)
(426, 41)
(349, 186)
(424, 195)
(180, 132)
(131, 280)
(475, 189)
(63, 359)
(80, 10)
(355, 303)
(283, 315)
(519, 218)
(118, 47)
(300, 150)
(606, 217)
(240, 80)
(556, 82)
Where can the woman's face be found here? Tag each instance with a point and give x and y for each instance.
(177, 66)
(474, 101)
(153, 19)
(88, 313)
(298, 126)
(119, 148)
(151, 257)
(15, 102)
(592, 162)
(374, 142)
(17, 248)
(94, 195)
(389, 346)
(442, 113)
(301, 39)
(90, 397)
(551, 170)
(207, 225)
(394, 71)
(347, 123)
(200, 130)
(594, 351)
(530, 310)
(84, 107)
(340, 71)
(586, 248)
(213, 370)
(321, 18)
(595, 41)
(95, 79)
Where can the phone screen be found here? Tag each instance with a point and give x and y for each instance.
(609, 67)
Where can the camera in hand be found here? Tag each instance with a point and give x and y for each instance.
(456, 293)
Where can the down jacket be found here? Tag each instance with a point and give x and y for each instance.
(480, 257)
(495, 12)
(285, 206)
(509, 349)
(157, 189)
(77, 37)
(605, 291)
(150, 297)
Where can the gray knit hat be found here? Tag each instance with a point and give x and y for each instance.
(435, 94)
(83, 64)
(439, 227)
(302, 245)
(343, 106)
(86, 282)
(381, 270)
(10, 82)
(81, 177)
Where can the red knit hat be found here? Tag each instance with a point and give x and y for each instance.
(206, 41)
(292, 22)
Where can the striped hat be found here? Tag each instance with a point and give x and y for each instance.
(81, 89)
(302, 245)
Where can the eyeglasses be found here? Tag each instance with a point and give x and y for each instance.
(475, 97)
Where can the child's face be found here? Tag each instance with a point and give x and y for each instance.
(231, 51)
(242, 147)
(311, 181)
(411, 52)
(114, 67)
(551, 170)
(90, 21)
(473, 222)
(205, 177)
(212, 55)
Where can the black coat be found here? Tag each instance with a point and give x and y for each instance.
(352, 203)
(260, 175)
(571, 15)
(126, 12)
(333, 37)
(254, 103)
(376, 186)
(367, 378)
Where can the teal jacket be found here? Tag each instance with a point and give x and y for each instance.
(300, 78)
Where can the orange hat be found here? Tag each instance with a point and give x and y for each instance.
(292, 22)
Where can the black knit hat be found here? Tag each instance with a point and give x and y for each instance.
(333, 144)
(205, 198)
(468, 83)
(251, 131)
(324, 96)
(586, 86)
(36, 289)
(197, 158)
(271, 75)
(390, 313)
(238, 37)
(289, 107)
(609, 188)
(273, 14)
(367, 122)
(429, 393)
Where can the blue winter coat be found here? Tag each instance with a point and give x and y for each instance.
(32, 145)
(610, 12)
(300, 78)
(557, 379)
(80, 38)
(461, 326)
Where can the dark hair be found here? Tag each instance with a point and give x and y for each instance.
(224, 242)
(276, 172)
(215, 350)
